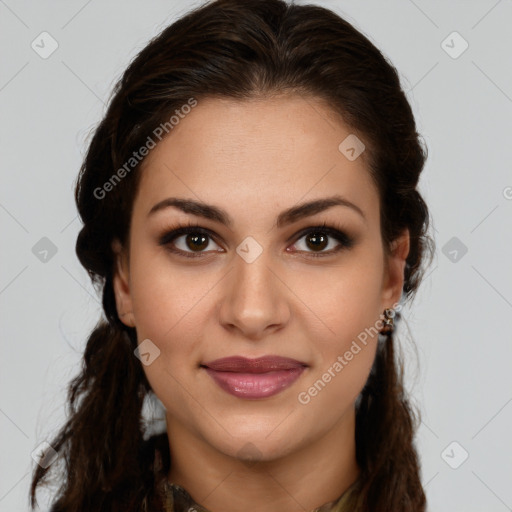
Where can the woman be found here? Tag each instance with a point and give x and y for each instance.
(251, 215)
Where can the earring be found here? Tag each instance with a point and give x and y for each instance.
(389, 322)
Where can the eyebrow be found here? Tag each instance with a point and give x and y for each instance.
(286, 217)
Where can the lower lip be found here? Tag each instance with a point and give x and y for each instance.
(255, 385)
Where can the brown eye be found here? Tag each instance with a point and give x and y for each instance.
(194, 241)
(317, 239)
(187, 241)
(197, 242)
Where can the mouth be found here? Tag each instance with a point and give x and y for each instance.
(254, 378)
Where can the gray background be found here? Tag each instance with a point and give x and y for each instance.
(459, 322)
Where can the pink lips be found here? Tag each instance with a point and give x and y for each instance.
(254, 378)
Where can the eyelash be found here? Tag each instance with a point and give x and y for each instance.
(170, 236)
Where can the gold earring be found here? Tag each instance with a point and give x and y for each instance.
(389, 322)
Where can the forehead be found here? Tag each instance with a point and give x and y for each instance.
(256, 152)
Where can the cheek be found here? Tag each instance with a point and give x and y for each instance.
(167, 307)
(331, 392)
(345, 300)
(345, 354)
(347, 306)
(165, 298)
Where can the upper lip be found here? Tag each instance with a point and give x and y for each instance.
(258, 365)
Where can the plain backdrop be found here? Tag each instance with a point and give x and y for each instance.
(460, 319)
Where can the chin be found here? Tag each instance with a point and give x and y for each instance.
(264, 445)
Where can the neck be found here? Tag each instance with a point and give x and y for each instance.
(300, 481)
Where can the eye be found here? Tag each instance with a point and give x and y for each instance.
(192, 241)
(316, 240)
(189, 241)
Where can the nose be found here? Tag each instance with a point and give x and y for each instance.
(255, 301)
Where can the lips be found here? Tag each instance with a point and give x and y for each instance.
(258, 365)
(254, 378)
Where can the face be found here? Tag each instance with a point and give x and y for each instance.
(258, 274)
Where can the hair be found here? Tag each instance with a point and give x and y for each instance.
(238, 49)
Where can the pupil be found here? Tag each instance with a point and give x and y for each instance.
(194, 241)
(317, 242)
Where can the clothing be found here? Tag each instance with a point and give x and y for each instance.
(176, 499)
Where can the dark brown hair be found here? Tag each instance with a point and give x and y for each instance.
(236, 49)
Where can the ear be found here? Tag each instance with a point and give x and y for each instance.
(394, 263)
(121, 284)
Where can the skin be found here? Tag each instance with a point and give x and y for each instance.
(254, 159)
